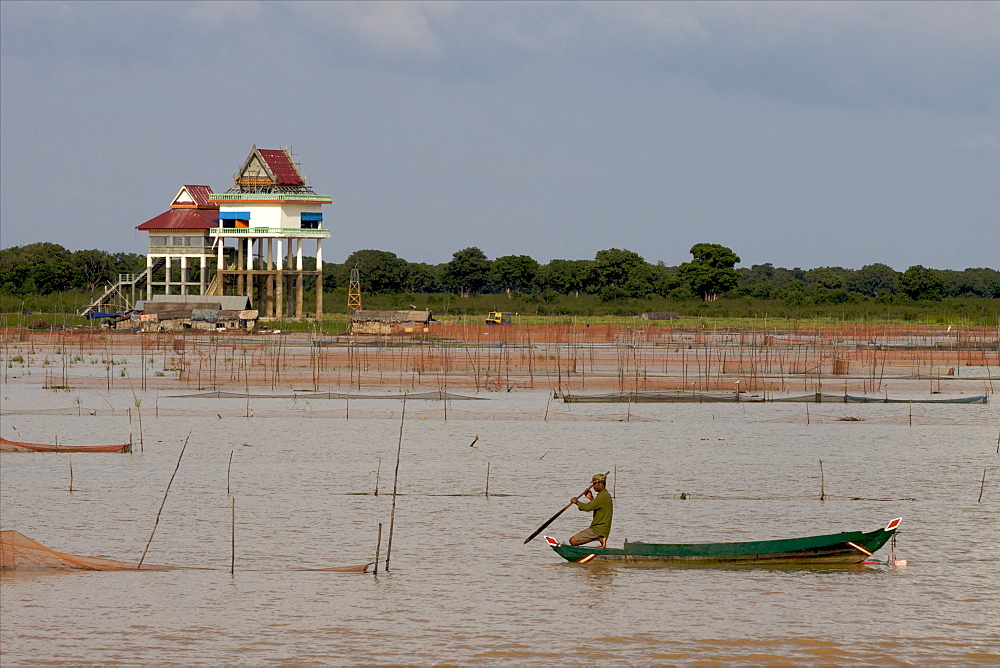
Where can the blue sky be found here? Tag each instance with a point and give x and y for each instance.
(802, 134)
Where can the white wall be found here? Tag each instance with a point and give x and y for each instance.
(279, 214)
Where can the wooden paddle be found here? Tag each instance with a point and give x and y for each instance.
(553, 518)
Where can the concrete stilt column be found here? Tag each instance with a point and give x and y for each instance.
(220, 264)
(298, 294)
(259, 279)
(299, 285)
(279, 280)
(149, 277)
(249, 268)
(239, 267)
(269, 307)
(184, 275)
(203, 275)
(288, 279)
(319, 278)
(166, 276)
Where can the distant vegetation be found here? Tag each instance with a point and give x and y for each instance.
(48, 277)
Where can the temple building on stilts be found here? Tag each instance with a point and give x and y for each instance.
(249, 241)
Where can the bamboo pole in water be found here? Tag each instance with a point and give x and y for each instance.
(138, 403)
(822, 482)
(378, 547)
(395, 481)
(164, 502)
(232, 560)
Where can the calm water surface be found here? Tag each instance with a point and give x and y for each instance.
(462, 587)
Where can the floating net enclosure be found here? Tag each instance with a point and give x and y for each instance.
(20, 553)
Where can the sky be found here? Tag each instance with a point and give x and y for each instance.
(802, 134)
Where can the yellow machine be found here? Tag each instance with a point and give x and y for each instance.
(498, 318)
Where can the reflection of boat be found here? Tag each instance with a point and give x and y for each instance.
(45, 447)
(849, 547)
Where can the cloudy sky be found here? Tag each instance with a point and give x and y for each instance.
(802, 134)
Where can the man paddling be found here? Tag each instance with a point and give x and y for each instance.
(602, 507)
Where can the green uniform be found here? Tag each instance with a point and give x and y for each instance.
(603, 510)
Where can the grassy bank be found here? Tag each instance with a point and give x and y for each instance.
(61, 308)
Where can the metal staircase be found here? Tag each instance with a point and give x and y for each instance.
(119, 297)
(215, 285)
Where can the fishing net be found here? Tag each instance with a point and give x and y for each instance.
(20, 553)
(309, 396)
(901, 419)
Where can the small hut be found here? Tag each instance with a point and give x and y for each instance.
(390, 322)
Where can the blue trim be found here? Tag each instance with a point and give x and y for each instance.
(312, 216)
(234, 215)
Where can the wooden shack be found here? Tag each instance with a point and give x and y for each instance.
(177, 313)
(390, 322)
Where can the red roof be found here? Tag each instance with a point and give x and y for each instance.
(282, 167)
(183, 219)
(200, 195)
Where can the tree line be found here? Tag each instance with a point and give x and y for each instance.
(613, 275)
(616, 274)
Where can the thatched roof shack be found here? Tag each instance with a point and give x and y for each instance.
(658, 315)
(390, 322)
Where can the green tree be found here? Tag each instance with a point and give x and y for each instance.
(979, 282)
(515, 273)
(422, 277)
(93, 268)
(614, 266)
(567, 276)
(129, 263)
(664, 279)
(829, 278)
(467, 272)
(711, 272)
(380, 272)
(875, 280)
(919, 282)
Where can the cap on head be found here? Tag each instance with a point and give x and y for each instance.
(599, 477)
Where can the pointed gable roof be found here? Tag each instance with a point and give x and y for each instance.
(193, 197)
(268, 167)
(189, 210)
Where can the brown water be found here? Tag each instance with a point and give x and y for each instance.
(462, 587)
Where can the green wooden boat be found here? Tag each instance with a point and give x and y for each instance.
(849, 547)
